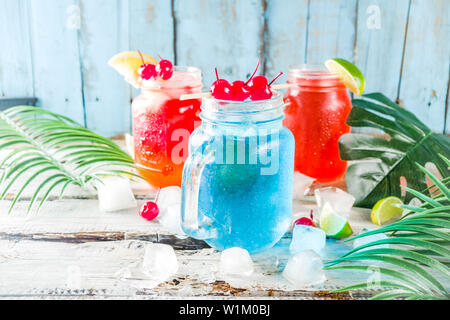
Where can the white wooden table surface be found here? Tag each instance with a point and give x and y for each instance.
(72, 250)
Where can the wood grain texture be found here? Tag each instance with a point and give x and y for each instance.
(219, 33)
(73, 250)
(113, 270)
(16, 71)
(425, 76)
(56, 62)
(106, 95)
(331, 30)
(286, 35)
(379, 46)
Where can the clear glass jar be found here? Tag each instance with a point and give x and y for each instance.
(316, 111)
(237, 180)
(162, 125)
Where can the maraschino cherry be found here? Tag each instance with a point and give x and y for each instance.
(147, 70)
(150, 210)
(306, 221)
(256, 88)
(260, 88)
(164, 69)
(221, 88)
(239, 91)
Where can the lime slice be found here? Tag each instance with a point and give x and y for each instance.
(334, 225)
(386, 209)
(348, 73)
(127, 64)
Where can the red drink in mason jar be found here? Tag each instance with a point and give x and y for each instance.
(316, 110)
(162, 125)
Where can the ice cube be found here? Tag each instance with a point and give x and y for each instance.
(160, 261)
(115, 194)
(415, 202)
(236, 261)
(168, 196)
(307, 238)
(341, 201)
(301, 184)
(170, 218)
(304, 269)
(365, 240)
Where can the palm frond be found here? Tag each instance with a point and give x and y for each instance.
(50, 151)
(420, 255)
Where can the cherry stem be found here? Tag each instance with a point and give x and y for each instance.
(254, 72)
(143, 62)
(160, 57)
(311, 214)
(217, 74)
(279, 75)
(157, 195)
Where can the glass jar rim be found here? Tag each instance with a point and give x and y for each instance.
(194, 81)
(310, 71)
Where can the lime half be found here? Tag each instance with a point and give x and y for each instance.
(386, 209)
(348, 73)
(334, 225)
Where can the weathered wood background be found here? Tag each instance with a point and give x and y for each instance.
(57, 50)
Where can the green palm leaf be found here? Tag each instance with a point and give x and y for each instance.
(421, 252)
(378, 163)
(50, 151)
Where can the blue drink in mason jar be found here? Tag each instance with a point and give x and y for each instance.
(237, 180)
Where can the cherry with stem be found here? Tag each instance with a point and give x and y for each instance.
(279, 75)
(254, 72)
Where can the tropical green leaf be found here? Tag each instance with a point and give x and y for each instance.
(421, 249)
(50, 151)
(378, 163)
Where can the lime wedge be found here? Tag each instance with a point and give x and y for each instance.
(386, 209)
(349, 74)
(334, 225)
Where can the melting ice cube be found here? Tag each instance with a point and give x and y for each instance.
(301, 184)
(168, 197)
(304, 269)
(365, 240)
(236, 261)
(341, 201)
(115, 194)
(415, 202)
(160, 261)
(307, 238)
(169, 204)
(170, 218)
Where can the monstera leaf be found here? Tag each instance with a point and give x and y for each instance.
(378, 163)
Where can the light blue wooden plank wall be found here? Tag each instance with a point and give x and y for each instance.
(425, 76)
(57, 50)
(223, 34)
(16, 73)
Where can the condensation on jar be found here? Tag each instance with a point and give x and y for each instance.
(162, 124)
(316, 110)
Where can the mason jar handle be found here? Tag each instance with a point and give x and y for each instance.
(193, 169)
